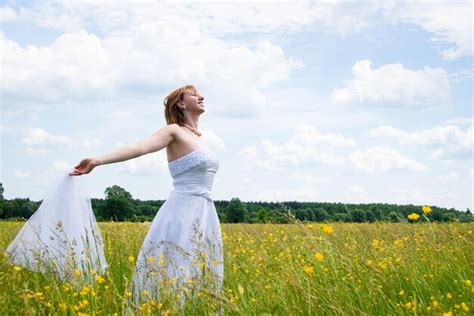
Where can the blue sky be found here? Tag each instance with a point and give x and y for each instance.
(351, 102)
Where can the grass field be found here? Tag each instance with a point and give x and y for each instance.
(285, 269)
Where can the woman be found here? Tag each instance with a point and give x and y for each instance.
(184, 239)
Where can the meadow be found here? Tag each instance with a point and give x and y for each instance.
(277, 269)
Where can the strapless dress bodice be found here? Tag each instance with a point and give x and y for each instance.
(194, 172)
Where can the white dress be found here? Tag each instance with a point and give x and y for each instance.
(62, 236)
(184, 241)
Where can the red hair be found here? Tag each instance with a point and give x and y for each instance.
(173, 113)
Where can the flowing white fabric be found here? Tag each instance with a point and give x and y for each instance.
(184, 243)
(62, 235)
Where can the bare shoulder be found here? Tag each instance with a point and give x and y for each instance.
(172, 129)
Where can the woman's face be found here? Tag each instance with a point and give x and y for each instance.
(193, 100)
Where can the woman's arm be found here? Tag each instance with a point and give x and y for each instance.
(159, 140)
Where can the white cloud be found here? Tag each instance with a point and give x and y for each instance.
(46, 175)
(306, 146)
(7, 14)
(117, 65)
(308, 135)
(449, 177)
(461, 74)
(145, 165)
(393, 83)
(40, 137)
(143, 56)
(449, 21)
(133, 49)
(212, 140)
(446, 141)
(382, 159)
(56, 72)
(221, 18)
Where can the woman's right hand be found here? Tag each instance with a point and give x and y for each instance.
(84, 167)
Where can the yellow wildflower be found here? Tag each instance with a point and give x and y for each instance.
(151, 259)
(375, 243)
(448, 313)
(401, 292)
(369, 262)
(99, 279)
(85, 290)
(319, 256)
(77, 272)
(468, 282)
(449, 296)
(83, 303)
(131, 259)
(128, 293)
(426, 209)
(308, 270)
(413, 216)
(465, 307)
(327, 229)
(16, 268)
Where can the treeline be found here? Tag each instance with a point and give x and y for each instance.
(119, 205)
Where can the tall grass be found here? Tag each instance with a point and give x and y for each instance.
(296, 269)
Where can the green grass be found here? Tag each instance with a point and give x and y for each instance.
(365, 269)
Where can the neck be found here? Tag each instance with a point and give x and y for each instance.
(192, 121)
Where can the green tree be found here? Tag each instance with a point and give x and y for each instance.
(235, 211)
(341, 217)
(448, 217)
(394, 217)
(320, 215)
(118, 205)
(262, 215)
(301, 215)
(358, 215)
(369, 215)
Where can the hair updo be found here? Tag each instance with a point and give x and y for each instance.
(173, 113)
